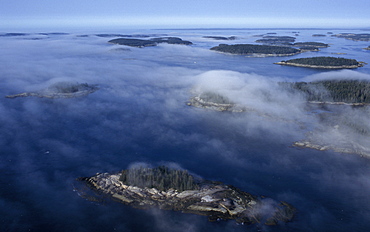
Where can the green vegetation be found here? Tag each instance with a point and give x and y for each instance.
(349, 91)
(250, 49)
(161, 178)
(324, 61)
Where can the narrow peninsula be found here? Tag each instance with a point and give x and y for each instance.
(178, 190)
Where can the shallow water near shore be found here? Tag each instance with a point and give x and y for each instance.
(139, 114)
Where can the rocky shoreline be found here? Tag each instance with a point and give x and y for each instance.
(351, 149)
(215, 200)
(320, 66)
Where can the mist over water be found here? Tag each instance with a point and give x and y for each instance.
(139, 114)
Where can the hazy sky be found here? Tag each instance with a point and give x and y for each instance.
(191, 13)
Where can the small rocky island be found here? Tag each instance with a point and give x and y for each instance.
(173, 189)
(214, 101)
(140, 43)
(323, 62)
(256, 50)
(60, 90)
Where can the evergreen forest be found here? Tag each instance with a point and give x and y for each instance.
(161, 178)
(349, 91)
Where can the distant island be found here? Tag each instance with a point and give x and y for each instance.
(276, 40)
(353, 36)
(323, 62)
(368, 48)
(220, 37)
(310, 44)
(256, 50)
(319, 35)
(178, 190)
(150, 42)
(60, 90)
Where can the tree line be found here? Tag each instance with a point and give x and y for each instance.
(161, 178)
(349, 91)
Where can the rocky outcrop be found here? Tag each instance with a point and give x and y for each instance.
(60, 90)
(202, 103)
(215, 200)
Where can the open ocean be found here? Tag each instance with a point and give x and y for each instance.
(139, 115)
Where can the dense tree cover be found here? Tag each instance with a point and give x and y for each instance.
(249, 49)
(324, 61)
(349, 91)
(214, 97)
(161, 178)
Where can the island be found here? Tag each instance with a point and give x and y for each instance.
(214, 101)
(140, 43)
(340, 92)
(280, 40)
(310, 44)
(368, 48)
(339, 103)
(318, 35)
(220, 37)
(323, 62)
(256, 50)
(353, 36)
(178, 190)
(60, 90)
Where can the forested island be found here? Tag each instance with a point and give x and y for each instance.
(256, 50)
(276, 40)
(173, 189)
(150, 42)
(310, 44)
(324, 62)
(220, 37)
(334, 91)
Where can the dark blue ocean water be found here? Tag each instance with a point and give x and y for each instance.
(139, 115)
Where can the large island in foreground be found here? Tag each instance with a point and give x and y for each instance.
(173, 189)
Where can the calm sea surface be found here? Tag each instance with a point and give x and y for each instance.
(139, 115)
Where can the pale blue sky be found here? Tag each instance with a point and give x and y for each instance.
(191, 13)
